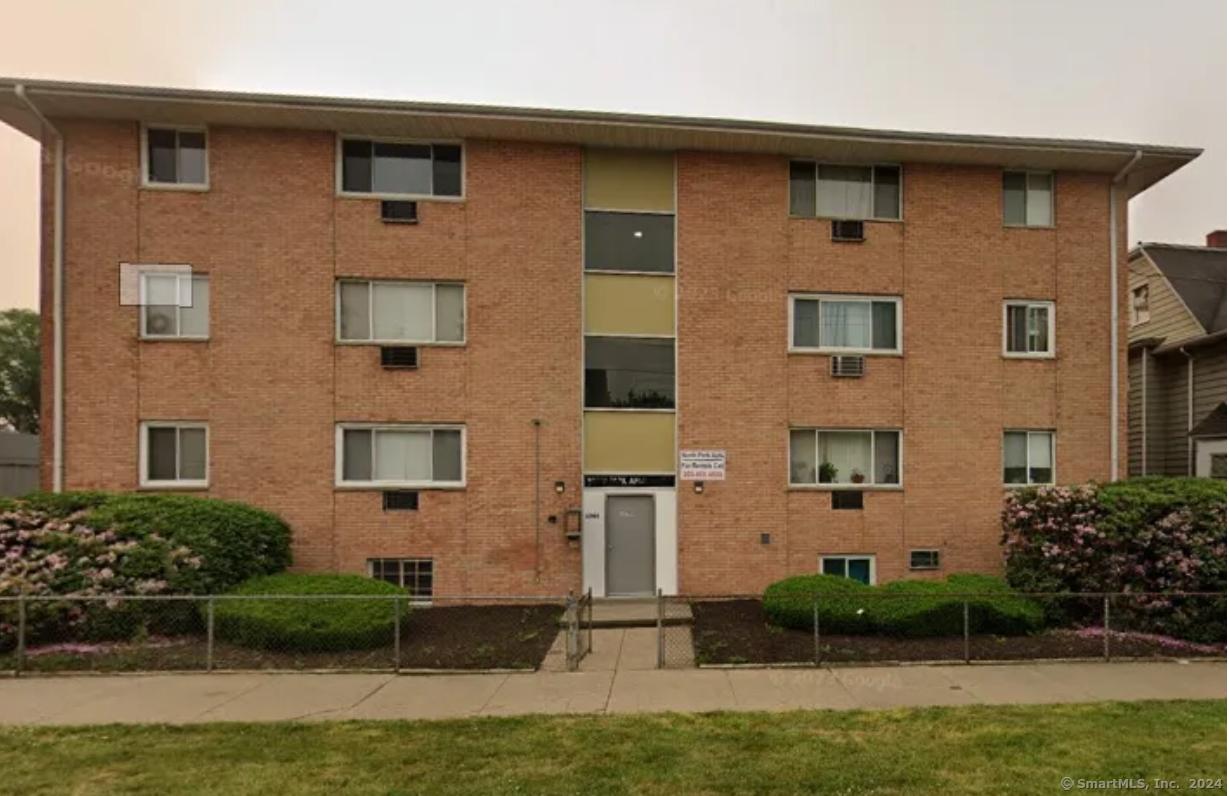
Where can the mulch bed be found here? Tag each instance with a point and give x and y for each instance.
(737, 631)
(455, 637)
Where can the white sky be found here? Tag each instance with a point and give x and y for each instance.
(1142, 72)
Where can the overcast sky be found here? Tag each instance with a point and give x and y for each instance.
(1129, 70)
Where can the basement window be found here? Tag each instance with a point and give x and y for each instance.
(415, 575)
(923, 559)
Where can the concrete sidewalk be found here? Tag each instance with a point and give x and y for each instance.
(189, 698)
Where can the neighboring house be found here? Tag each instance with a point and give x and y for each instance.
(1177, 359)
(492, 351)
(19, 461)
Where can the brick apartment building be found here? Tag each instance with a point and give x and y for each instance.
(468, 348)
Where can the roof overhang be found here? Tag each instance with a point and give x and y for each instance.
(1215, 338)
(66, 100)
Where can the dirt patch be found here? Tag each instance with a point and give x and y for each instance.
(455, 637)
(737, 631)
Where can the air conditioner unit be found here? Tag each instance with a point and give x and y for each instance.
(849, 367)
(398, 212)
(848, 231)
(398, 357)
(401, 500)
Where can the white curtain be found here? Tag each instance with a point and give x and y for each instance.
(403, 312)
(847, 451)
(403, 456)
(846, 324)
(844, 192)
(1039, 200)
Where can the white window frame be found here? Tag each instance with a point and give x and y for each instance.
(1003, 199)
(339, 451)
(846, 558)
(146, 182)
(1028, 457)
(143, 319)
(371, 283)
(417, 197)
(1030, 304)
(900, 194)
(1139, 316)
(864, 486)
(143, 455)
(401, 562)
(822, 349)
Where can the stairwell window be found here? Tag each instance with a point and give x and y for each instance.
(1028, 458)
(397, 313)
(174, 306)
(174, 157)
(825, 190)
(400, 170)
(1028, 329)
(400, 455)
(845, 324)
(174, 454)
(1028, 199)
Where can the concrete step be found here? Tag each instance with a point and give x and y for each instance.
(624, 612)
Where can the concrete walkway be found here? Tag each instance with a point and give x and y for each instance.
(188, 698)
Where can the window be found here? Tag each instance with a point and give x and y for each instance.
(923, 559)
(400, 312)
(629, 373)
(841, 457)
(822, 190)
(1139, 305)
(845, 324)
(635, 242)
(1028, 328)
(387, 168)
(415, 575)
(400, 455)
(860, 568)
(174, 306)
(1028, 457)
(1028, 199)
(175, 157)
(174, 454)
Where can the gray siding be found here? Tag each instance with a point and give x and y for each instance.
(18, 463)
(1209, 380)
(1135, 425)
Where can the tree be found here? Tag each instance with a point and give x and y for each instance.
(20, 369)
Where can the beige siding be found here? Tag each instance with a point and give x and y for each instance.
(629, 442)
(629, 304)
(1169, 318)
(629, 180)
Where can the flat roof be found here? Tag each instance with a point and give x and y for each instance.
(71, 100)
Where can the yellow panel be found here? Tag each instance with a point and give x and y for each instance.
(629, 179)
(628, 304)
(629, 442)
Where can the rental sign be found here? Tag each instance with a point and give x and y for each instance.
(702, 465)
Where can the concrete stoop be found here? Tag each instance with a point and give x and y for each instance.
(628, 612)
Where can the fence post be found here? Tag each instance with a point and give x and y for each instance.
(661, 630)
(21, 633)
(815, 624)
(572, 634)
(209, 635)
(1105, 625)
(589, 611)
(966, 631)
(396, 634)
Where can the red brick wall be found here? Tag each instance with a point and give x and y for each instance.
(272, 383)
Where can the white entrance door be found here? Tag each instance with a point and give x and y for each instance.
(1210, 458)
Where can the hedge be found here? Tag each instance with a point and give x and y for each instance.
(1144, 535)
(913, 608)
(96, 543)
(309, 625)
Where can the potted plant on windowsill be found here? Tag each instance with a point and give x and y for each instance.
(856, 476)
(827, 473)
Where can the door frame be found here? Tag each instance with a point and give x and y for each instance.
(593, 536)
(652, 547)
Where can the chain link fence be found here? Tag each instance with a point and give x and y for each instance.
(139, 633)
(827, 629)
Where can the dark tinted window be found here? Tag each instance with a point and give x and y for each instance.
(887, 192)
(801, 188)
(629, 373)
(401, 168)
(446, 170)
(629, 242)
(356, 166)
(162, 159)
(162, 454)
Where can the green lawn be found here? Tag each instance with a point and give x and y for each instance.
(949, 751)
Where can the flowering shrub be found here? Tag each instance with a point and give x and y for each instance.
(1145, 535)
(97, 545)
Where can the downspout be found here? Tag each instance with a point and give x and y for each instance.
(1190, 407)
(57, 291)
(1114, 311)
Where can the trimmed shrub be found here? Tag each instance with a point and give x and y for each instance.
(309, 625)
(792, 603)
(911, 608)
(1144, 535)
(86, 544)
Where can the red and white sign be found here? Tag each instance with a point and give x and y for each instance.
(701, 465)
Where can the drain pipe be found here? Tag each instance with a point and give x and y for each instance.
(1114, 310)
(57, 291)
